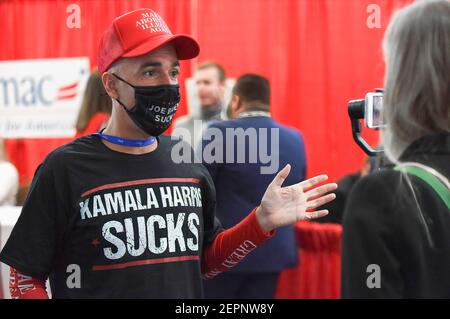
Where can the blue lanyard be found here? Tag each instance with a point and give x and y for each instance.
(127, 142)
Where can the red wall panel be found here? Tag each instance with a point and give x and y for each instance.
(318, 54)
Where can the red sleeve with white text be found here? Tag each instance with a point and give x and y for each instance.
(26, 287)
(232, 245)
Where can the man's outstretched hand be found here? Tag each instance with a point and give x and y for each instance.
(281, 206)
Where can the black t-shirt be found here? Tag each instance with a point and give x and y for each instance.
(105, 224)
(396, 238)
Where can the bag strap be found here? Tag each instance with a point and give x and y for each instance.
(430, 176)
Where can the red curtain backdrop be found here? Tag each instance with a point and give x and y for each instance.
(318, 275)
(318, 54)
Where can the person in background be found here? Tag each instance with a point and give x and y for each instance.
(95, 108)
(371, 165)
(9, 185)
(240, 186)
(396, 227)
(210, 84)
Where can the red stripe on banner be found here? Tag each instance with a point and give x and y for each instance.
(144, 262)
(68, 87)
(66, 97)
(142, 181)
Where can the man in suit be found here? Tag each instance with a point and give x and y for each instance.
(240, 185)
(210, 84)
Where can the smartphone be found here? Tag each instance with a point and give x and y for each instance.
(372, 110)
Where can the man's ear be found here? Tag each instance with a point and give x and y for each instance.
(109, 82)
(236, 103)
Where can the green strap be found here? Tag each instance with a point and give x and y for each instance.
(430, 179)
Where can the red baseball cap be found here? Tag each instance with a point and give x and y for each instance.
(139, 32)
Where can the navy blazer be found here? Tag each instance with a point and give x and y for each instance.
(241, 186)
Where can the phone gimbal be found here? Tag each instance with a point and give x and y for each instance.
(356, 111)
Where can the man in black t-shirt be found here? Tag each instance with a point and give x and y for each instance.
(111, 215)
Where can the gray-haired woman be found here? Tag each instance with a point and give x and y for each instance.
(396, 240)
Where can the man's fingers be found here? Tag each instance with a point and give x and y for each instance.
(320, 201)
(321, 190)
(314, 215)
(281, 176)
(312, 181)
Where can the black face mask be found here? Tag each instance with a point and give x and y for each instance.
(154, 106)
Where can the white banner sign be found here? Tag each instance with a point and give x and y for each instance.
(41, 98)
